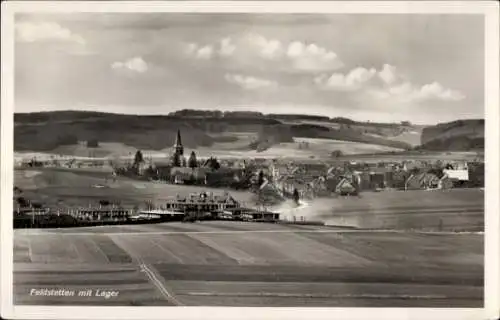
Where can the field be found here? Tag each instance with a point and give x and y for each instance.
(412, 258)
(410, 135)
(236, 146)
(417, 156)
(245, 264)
(317, 148)
(451, 210)
(88, 187)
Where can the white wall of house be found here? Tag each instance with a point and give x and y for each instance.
(462, 175)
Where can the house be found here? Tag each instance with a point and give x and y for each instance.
(476, 174)
(277, 170)
(344, 187)
(364, 180)
(445, 182)
(286, 185)
(377, 180)
(382, 177)
(162, 171)
(399, 178)
(332, 171)
(458, 174)
(422, 181)
(314, 169)
(411, 166)
(332, 181)
(270, 194)
(186, 175)
(225, 177)
(319, 187)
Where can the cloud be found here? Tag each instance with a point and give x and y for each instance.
(388, 74)
(136, 64)
(408, 93)
(45, 31)
(312, 57)
(205, 52)
(299, 55)
(223, 48)
(253, 48)
(250, 83)
(436, 90)
(267, 49)
(391, 85)
(354, 80)
(227, 48)
(200, 52)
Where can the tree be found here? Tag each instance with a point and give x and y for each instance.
(296, 196)
(336, 154)
(260, 179)
(149, 204)
(104, 202)
(213, 164)
(438, 172)
(176, 160)
(192, 162)
(138, 159)
(415, 170)
(92, 143)
(22, 202)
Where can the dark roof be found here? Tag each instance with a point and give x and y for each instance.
(178, 141)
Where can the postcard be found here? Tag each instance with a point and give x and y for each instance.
(250, 160)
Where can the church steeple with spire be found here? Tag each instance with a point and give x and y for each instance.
(178, 148)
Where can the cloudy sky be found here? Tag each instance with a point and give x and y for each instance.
(422, 68)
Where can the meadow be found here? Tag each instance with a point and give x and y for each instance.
(250, 264)
(229, 144)
(61, 188)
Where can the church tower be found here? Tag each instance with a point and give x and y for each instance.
(178, 148)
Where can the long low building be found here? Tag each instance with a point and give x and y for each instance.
(246, 214)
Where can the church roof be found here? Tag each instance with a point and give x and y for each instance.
(178, 141)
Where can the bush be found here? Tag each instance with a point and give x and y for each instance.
(336, 154)
(92, 143)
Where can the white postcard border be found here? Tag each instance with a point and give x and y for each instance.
(488, 8)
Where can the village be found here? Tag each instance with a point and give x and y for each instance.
(284, 177)
(272, 181)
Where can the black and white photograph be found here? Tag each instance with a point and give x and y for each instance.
(250, 156)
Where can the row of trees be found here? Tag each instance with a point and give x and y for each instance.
(179, 161)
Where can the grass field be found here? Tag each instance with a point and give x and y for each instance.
(319, 148)
(417, 156)
(452, 210)
(51, 187)
(245, 264)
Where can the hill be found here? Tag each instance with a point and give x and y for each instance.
(460, 135)
(49, 131)
(46, 131)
